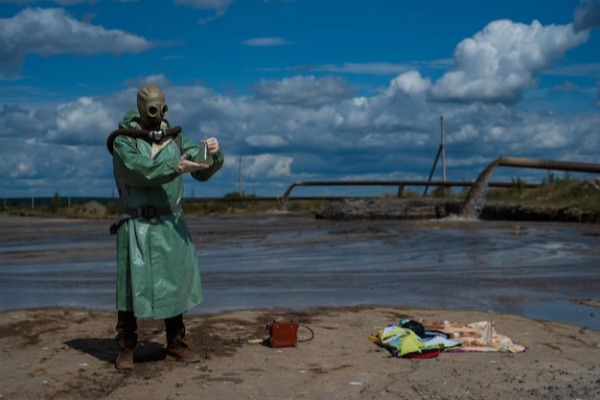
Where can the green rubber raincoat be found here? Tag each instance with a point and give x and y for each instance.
(158, 272)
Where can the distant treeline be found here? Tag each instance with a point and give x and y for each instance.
(74, 206)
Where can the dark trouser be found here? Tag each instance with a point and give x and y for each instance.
(127, 328)
(175, 329)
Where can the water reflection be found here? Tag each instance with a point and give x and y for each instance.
(533, 269)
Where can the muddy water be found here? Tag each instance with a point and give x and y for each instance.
(538, 270)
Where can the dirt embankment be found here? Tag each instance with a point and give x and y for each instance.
(427, 209)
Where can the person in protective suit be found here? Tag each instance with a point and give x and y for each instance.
(158, 274)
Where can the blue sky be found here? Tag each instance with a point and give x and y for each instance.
(299, 89)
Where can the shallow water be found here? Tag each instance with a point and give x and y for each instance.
(537, 270)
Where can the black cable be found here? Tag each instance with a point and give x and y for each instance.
(311, 332)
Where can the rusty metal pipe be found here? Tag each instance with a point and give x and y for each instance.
(468, 205)
(547, 164)
(282, 201)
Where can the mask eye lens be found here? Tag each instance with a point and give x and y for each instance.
(152, 111)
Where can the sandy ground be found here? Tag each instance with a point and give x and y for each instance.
(68, 354)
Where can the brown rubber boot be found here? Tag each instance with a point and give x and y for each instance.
(125, 357)
(126, 339)
(180, 351)
(177, 346)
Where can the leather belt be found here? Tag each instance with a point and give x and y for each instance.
(147, 212)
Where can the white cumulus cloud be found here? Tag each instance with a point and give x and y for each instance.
(79, 122)
(498, 63)
(409, 82)
(267, 166)
(51, 31)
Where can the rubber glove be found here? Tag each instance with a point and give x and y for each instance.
(186, 166)
(213, 145)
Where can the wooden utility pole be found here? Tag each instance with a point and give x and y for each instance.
(442, 151)
(443, 147)
(240, 176)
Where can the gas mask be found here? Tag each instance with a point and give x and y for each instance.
(152, 107)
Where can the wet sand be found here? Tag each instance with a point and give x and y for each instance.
(68, 353)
